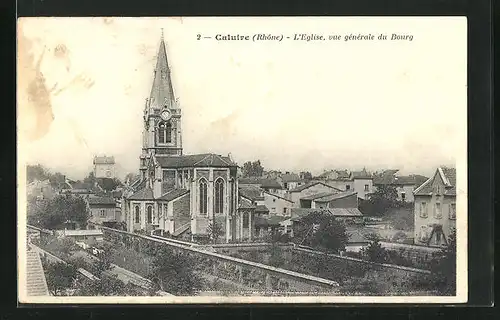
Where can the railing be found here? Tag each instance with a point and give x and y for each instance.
(253, 275)
(310, 250)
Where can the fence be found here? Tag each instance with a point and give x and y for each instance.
(251, 275)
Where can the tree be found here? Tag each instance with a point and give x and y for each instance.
(331, 235)
(375, 253)
(381, 201)
(108, 184)
(322, 231)
(173, 273)
(252, 169)
(60, 276)
(53, 213)
(214, 229)
(103, 263)
(36, 172)
(443, 267)
(57, 180)
(90, 178)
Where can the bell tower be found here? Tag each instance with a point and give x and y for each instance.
(162, 134)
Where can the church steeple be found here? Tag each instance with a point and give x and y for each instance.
(162, 92)
(162, 132)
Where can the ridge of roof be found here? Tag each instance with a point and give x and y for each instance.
(336, 196)
(277, 196)
(173, 194)
(313, 183)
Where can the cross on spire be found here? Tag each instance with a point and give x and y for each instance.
(162, 34)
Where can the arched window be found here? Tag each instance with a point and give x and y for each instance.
(203, 196)
(219, 196)
(137, 215)
(165, 132)
(168, 132)
(150, 214)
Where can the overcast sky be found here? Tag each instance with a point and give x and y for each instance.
(293, 105)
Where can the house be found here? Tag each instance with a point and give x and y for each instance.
(89, 237)
(264, 226)
(404, 185)
(347, 215)
(180, 193)
(346, 199)
(41, 190)
(269, 185)
(104, 167)
(309, 189)
(435, 208)
(277, 204)
(80, 188)
(290, 181)
(363, 183)
(357, 241)
(103, 209)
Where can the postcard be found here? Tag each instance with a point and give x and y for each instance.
(242, 160)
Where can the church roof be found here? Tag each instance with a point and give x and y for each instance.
(162, 92)
(173, 194)
(143, 194)
(195, 160)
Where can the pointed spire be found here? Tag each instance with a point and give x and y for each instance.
(162, 93)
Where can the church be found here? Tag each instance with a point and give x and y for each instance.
(182, 195)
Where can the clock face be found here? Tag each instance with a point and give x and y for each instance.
(165, 115)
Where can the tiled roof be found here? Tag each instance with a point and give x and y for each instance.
(318, 195)
(263, 182)
(448, 175)
(143, 194)
(290, 177)
(341, 174)
(356, 236)
(252, 193)
(299, 213)
(308, 185)
(269, 221)
(104, 160)
(388, 177)
(36, 284)
(277, 196)
(363, 174)
(101, 200)
(195, 160)
(245, 204)
(82, 186)
(173, 194)
(336, 196)
(261, 208)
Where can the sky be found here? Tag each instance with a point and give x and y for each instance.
(295, 105)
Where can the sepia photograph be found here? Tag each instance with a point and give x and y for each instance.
(242, 160)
